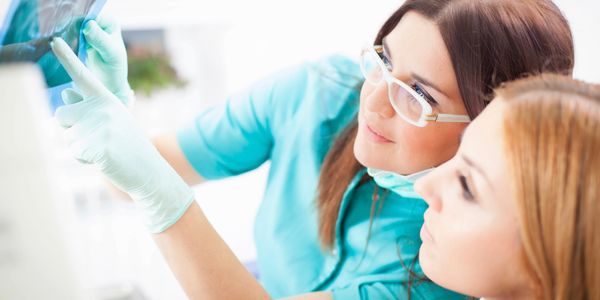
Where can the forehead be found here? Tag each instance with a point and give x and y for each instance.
(486, 131)
(483, 143)
(416, 45)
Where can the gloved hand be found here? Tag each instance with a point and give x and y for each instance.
(107, 57)
(101, 131)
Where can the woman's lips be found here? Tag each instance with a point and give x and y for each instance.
(376, 136)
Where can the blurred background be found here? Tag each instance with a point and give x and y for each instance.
(187, 55)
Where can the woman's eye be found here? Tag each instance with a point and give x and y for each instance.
(423, 93)
(386, 61)
(419, 90)
(466, 191)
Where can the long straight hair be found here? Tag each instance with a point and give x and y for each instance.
(552, 140)
(489, 42)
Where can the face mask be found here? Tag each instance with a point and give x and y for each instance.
(399, 184)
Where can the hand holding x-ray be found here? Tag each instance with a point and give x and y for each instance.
(101, 131)
(107, 57)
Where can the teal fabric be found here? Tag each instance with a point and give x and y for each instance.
(291, 120)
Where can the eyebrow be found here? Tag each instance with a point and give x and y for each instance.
(417, 77)
(477, 168)
(428, 83)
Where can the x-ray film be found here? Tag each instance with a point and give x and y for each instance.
(31, 24)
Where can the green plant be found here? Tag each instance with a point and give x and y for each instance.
(151, 72)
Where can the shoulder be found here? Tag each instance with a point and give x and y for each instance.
(321, 86)
(338, 69)
(331, 72)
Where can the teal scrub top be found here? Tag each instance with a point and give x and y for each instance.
(292, 119)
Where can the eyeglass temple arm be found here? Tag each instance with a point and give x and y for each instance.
(448, 118)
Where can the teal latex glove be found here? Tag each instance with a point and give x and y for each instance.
(107, 57)
(101, 131)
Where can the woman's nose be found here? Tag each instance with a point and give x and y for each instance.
(426, 188)
(377, 101)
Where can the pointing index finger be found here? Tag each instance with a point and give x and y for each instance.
(83, 78)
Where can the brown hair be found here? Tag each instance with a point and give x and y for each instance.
(552, 139)
(489, 42)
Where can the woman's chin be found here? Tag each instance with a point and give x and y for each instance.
(361, 154)
(426, 262)
(369, 157)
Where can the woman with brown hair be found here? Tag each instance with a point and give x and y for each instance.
(513, 214)
(324, 224)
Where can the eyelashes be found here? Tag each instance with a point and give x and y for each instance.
(466, 191)
(386, 61)
(421, 91)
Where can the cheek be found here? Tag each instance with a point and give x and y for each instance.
(419, 147)
(471, 256)
(371, 154)
(416, 139)
(365, 90)
(433, 144)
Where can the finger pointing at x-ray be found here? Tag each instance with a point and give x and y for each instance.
(81, 76)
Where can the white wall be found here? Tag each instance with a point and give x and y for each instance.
(264, 35)
(584, 17)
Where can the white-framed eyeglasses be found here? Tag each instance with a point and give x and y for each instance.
(409, 104)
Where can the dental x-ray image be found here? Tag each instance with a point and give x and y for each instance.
(30, 25)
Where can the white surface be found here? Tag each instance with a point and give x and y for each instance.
(257, 37)
(34, 257)
(264, 35)
(583, 15)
